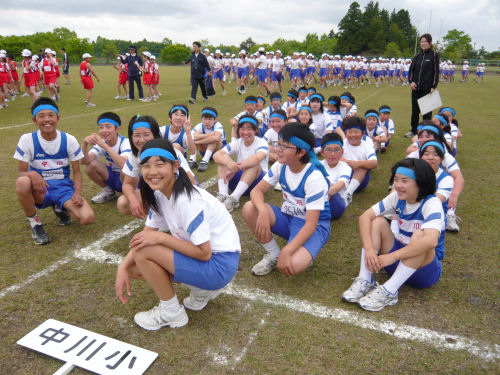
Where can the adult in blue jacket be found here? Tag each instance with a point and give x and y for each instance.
(199, 66)
(134, 61)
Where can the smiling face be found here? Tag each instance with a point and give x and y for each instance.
(260, 105)
(425, 136)
(371, 121)
(247, 133)
(424, 44)
(302, 94)
(384, 116)
(406, 188)
(109, 132)
(354, 136)
(47, 120)
(315, 105)
(141, 136)
(287, 152)
(304, 116)
(178, 119)
(431, 156)
(277, 123)
(275, 103)
(250, 107)
(159, 174)
(332, 153)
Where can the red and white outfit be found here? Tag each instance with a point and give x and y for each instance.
(4, 73)
(49, 72)
(86, 77)
(13, 71)
(156, 74)
(147, 77)
(29, 73)
(123, 75)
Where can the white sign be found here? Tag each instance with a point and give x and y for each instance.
(86, 349)
(429, 102)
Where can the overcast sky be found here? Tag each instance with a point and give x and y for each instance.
(232, 21)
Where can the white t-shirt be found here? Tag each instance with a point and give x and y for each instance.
(449, 163)
(237, 147)
(390, 125)
(132, 167)
(257, 114)
(335, 119)
(216, 128)
(198, 219)
(362, 152)
(121, 147)
(375, 132)
(26, 148)
(341, 172)
(352, 111)
(315, 189)
(445, 186)
(173, 137)
(261, 62)
(322, 122)
(277, 64)
(271, 137)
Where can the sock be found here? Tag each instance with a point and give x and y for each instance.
(451, 212)
(108, 189)
(398, 278)
(169, 306)
(240, 189)
(192, 157)
(34, 220)
(223, 187)
(57, 209)
(353, 185)
(207, 156)
(272, 248)
(364, 273)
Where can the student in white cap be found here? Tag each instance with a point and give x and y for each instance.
(86, 73)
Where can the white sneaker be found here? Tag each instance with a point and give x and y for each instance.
(377, 299)
(89, 104)
(452, 222)
(118, 97)
(348, 198)
(265, 266)
(153, 319)
(359, 288)
(25, 95)
(103, 196)
(198, 298)
(221, 197)
(231, 203)
(277, 187)
(224, 92)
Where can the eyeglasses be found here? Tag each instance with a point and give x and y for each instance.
(281, 147)
(332, 150)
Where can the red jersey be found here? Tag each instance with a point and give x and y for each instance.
(48, 66)
(84, 71)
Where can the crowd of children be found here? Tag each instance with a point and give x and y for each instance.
(271, 147)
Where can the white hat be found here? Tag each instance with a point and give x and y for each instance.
(3, 51)
(26, 53)
(233, 55)
(271, 52)
(217, 51)
(48, 50)
(34, 57)
(152, 57)
(2, 55)
(211, 53)
(86, 55)
(466, 62)
(262, 49)
(243, 52)
(118, 58)
(146, 53)
(303, 54)
(53, 52)
(278, 51)
(227, 53)
(206, 50)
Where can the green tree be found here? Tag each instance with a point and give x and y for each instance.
(375, 35)
(247, 44)
(397, 36)
(175, 53)
(110, 51)
(392, 50)
(457, 45)
(402, 19)
(351, 31)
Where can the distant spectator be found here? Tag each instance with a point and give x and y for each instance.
(133, 61)
(199, 66)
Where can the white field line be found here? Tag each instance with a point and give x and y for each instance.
(251, 339)
(91, 252)
(402, 331)
(98, 112)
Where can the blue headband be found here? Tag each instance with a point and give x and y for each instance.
(345, 97)
(248, 119)
(292, 95)
(43, 107)
(261, 99)
(302, 90)
(275, 96)
(333, 102)
(310, 150)
(371, 114)
(141, 124)
(432, 143)
(311, 89)
(355, 127)
(316, 96)
(406, 172)
(333, 143)
(430, 128)
(208, 112)
(108, 120)
(178, 107)
(449, 110)
(385, 110)
(306, 107)
(274, 115)
(441, 119)
(251, 101)
(157, 152)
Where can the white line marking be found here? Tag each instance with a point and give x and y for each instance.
(402, 331)
(251, 339)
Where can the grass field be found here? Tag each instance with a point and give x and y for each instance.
(270, 324)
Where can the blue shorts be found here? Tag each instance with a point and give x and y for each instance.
(213, 274)
(311, 70)
(295, 73)
(405, 74)
(218, 75)
(236, 178)
(398, 71)
(113, 180)
(347, 74)
(261, 74)
(337, 71)
(276, 76)
(59, 191)
(424, 277)
(287, 227)
(337, 206)
(357, 73)
(242, 72)
(362, 186)
(322, 72)
(391, 73)
(227, 69)
(377, 74)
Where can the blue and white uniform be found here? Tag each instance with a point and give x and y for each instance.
(306, 190)
(363, 151)
(51, 159)
(341, 172)
(335, 120)
(322, 123)
(198, 219)
(200, 128)
(444, 186)
(132, 167)
(179, 138)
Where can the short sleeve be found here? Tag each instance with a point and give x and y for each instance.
(386, 205)
(24, 149)
(273, 174)
(154, 220)
(74, 151)
(316, 191)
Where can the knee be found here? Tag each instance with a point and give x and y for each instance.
(23, 185)
(88, 218)
(248, 212)
(122, 204)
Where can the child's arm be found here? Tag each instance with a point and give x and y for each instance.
(190, 142)
(458, 186)
(37, 182)
(366, 164)
(88, 157)
(129, 186)
(335, 188)
(252, 161)
(263, 224)
(77, 198)
(202, 139)
(380, 138)
(92, 72)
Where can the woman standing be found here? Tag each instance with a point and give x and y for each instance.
(424, 78)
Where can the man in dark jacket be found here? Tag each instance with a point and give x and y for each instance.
(133, 60)
(199, 66)
(424, 78)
